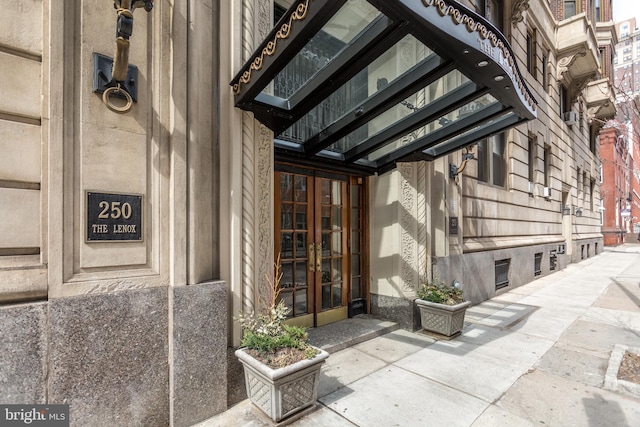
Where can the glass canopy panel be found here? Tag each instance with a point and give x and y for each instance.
(411, 105)
(449, 119)
(476, 133)
(336, 35)
(392, 100)
(404, 56)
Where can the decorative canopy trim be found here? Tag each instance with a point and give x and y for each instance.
(485, 33)
(283, 33)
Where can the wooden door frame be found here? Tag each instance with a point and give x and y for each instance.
(349, 180)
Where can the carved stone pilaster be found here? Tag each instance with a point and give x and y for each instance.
(422, 219)
(408, 232)
(257, 168)
(248, 194)
(264, 203)
(264, 18)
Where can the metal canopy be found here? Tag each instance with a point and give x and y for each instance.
(360, 85)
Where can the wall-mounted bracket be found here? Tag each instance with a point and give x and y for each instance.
(455, 170)
(102, 80)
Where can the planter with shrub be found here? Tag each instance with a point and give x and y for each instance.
(442, 308)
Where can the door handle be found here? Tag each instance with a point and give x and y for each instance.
(318, 256)
(311, 253)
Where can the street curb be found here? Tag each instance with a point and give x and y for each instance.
(611, 381)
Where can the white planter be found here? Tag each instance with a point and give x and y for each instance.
(283, 392)
(447, 320)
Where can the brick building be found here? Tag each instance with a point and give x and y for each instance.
(626, 219)
(615, 189)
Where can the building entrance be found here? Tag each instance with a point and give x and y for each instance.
(320, 237)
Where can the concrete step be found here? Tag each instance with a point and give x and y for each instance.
(349, 332)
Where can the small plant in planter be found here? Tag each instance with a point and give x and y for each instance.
(439, 292)
(281, 368)
(442, 308)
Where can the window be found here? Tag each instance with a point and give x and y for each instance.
(537, 264)
(579, 186)
(624, 31)
(531, 52)
(598, 18)
(532, 158)
(491, 160)
(593, 138)
(581, 117)
(570, 8)
(603, 64)
(592, 186)
(502, 273)
(492, 10)
(565, 103)
(546, 158)
(545, 71)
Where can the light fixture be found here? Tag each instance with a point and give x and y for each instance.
(499, 78)
(482, 63)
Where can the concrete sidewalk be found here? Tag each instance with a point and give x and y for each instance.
(536, 355)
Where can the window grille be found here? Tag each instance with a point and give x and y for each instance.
(537, 264)
(502, 273)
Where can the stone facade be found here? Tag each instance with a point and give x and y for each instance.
(125, 332)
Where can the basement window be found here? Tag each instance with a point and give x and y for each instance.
(502, 273)
(537, 264)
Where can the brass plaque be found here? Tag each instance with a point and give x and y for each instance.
(114, 217)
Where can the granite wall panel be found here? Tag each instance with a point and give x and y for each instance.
(109, 357)
(199, 352)
(23, 350)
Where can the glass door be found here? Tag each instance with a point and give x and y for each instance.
(331, 231)
(314, 214)
(294, 241)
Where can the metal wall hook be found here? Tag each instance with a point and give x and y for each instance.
(102, 80)
(123, 76)
(455, 170)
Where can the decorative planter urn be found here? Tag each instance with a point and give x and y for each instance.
(442, 319)
(284, 392)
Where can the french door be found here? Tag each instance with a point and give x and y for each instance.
(319, 235)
